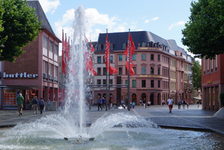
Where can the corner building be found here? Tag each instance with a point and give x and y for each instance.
(162, 69)
(35, 72)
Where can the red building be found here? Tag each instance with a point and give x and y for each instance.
(35, 72)
(212, 82)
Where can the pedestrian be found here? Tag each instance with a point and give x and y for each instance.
(99, 103)
(41, 105)
(133, 104)
(122, 104)
(170, 104)
(35, 105)
(179, 104)
(183, 104)
(20, 101)
(149, 103)
(144, 103)
(163, 102)
(104, 101)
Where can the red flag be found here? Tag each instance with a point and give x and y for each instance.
(109, 68)
(89, 59)
(92, 49)
(131, 71)
(63, 53)
(131, 49)
(130, 46)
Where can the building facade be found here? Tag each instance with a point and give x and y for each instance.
(212, 82)
(35, 72)
(162, 69)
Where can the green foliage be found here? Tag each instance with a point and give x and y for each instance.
(204, 32)
(196, 74)
(20, 26)
(1, 14)
(1, 21)
(222, 99)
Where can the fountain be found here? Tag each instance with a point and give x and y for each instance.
(118, 131)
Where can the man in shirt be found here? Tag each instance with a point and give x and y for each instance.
(20, 101)
(170, 104)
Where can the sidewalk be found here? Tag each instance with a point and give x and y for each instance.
(192, 118)
(9, 118)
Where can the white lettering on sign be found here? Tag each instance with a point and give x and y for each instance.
(23, 75)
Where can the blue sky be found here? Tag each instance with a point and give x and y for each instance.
(165, 18)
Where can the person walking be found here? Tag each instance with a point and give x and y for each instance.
(20, 101)
(41, 105)
(99, 104)
(170, 104)
(35, 105)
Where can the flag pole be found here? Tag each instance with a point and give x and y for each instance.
(107, 67)
(128, 96)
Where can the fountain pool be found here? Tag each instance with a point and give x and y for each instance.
(142, 138)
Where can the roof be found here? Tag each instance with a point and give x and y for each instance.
(119, 38)
(173, 46)
(41, 15)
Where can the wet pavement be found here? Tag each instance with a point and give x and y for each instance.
(193, 118)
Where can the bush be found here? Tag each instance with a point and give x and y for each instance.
(222, 99)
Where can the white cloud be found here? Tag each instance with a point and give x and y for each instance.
(177, 24)
(49, 5)
(151, 20)
(96, 23)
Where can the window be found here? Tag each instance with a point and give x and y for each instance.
(104, 81)
(216, 62)
(99, 59)
(111, 81)
(104, 71)
(152, 83)
(55, 72)
(45, 46)
(134, 57)
(120, 70)
(143, 69)
(120, 57)
(158, 57)
(152, 70)
(143, 83)
(158, 83)
(135, 70)
(98, 71)
(158, 70)
(51, 48)
(101, 47)
(143, 57)
(133, 83)
(152, 57)
(98, 81)
(111, 59)
(55, 52)
(126, 82)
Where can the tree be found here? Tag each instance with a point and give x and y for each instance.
(1, 21)
(196, 74)
(20, 26)
(204, 32)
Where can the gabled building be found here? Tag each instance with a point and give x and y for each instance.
(212, 82)
(162, 69)
(35, 72)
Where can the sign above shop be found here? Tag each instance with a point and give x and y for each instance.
(23, 75)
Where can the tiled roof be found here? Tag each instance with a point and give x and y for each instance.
(119, 38)
(41, 15)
